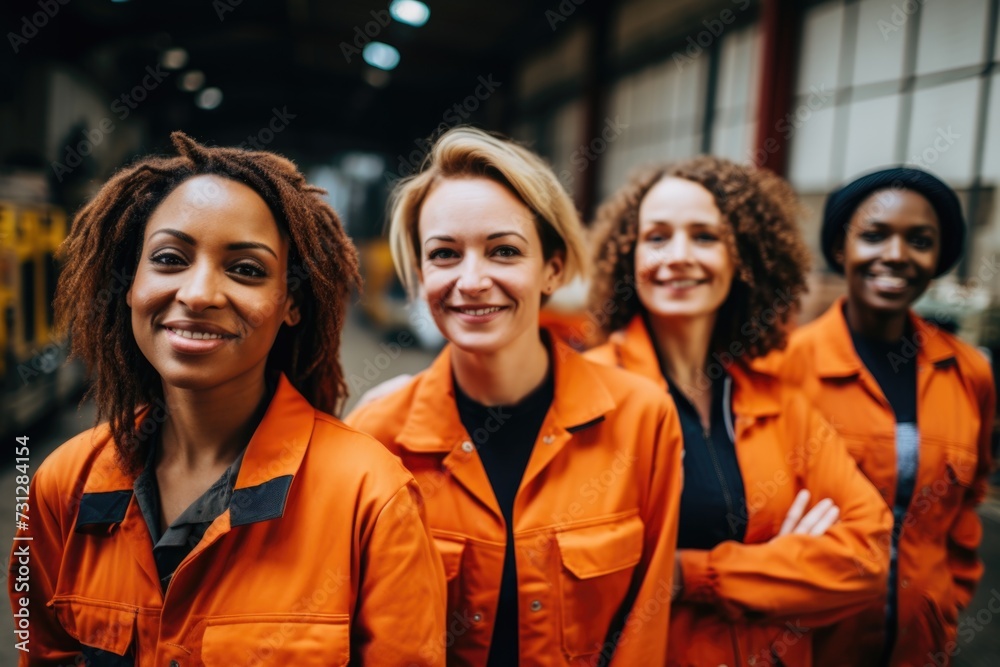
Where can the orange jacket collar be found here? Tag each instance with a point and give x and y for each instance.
(271, 461)
(434, 425)
(634, 349)
(840, 359)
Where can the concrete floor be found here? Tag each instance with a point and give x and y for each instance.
(369, 361)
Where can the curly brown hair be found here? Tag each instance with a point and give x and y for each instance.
(101, 254)
(772, 260)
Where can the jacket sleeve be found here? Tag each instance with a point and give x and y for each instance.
(966, 531)
(643, 639)
(33, 573)
(815, 580)
(401, 605)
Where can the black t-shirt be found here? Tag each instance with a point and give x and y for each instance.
(894, 367)
(505, 436)
(713, 500)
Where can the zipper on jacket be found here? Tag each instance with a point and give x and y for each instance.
(726, 495)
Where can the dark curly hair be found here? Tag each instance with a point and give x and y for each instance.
(101, 254)
(772, 260)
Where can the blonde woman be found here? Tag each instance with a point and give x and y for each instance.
(551, 483)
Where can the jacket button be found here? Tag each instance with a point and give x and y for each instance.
(477, 617)
(467, 447)
(548, 439)
(904, 582)
(536, 605)
(174, 663)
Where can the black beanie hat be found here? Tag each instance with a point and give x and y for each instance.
(843, 202)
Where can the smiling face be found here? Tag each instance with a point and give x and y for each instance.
(210, 291)
(482, 265)
(682, 263)
(890, 251)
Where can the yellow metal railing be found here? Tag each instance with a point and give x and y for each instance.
(29, 235)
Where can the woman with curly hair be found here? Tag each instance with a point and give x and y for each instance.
(699, 266)
(552, 483)
(914, 404)
(221, 516)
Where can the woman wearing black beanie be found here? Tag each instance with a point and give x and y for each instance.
(914, 404)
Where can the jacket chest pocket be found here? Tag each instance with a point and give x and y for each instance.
(597, 564)
(282, 640)
(104, 629)
(954, 475)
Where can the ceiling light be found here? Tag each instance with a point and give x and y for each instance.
(410, 12)
(380, 55)
(174, 58)
(192, 81)
(209, 98)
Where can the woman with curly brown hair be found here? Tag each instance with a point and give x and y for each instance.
(221, 516)
(699, 266)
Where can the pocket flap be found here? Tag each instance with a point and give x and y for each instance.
(99, 624)
(451, 548)
(301, 639)
(961, 466)
(594, 551)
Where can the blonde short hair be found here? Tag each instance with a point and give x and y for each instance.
(466, 152)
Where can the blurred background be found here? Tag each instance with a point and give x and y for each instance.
(355, 91)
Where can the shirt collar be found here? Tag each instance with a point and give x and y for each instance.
(263, 479)
(837, 357)
(636, 352)
(433, 423)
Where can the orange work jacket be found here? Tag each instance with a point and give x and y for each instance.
(937, 565)
(757, 602)
(595, 517)
(322, 558)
